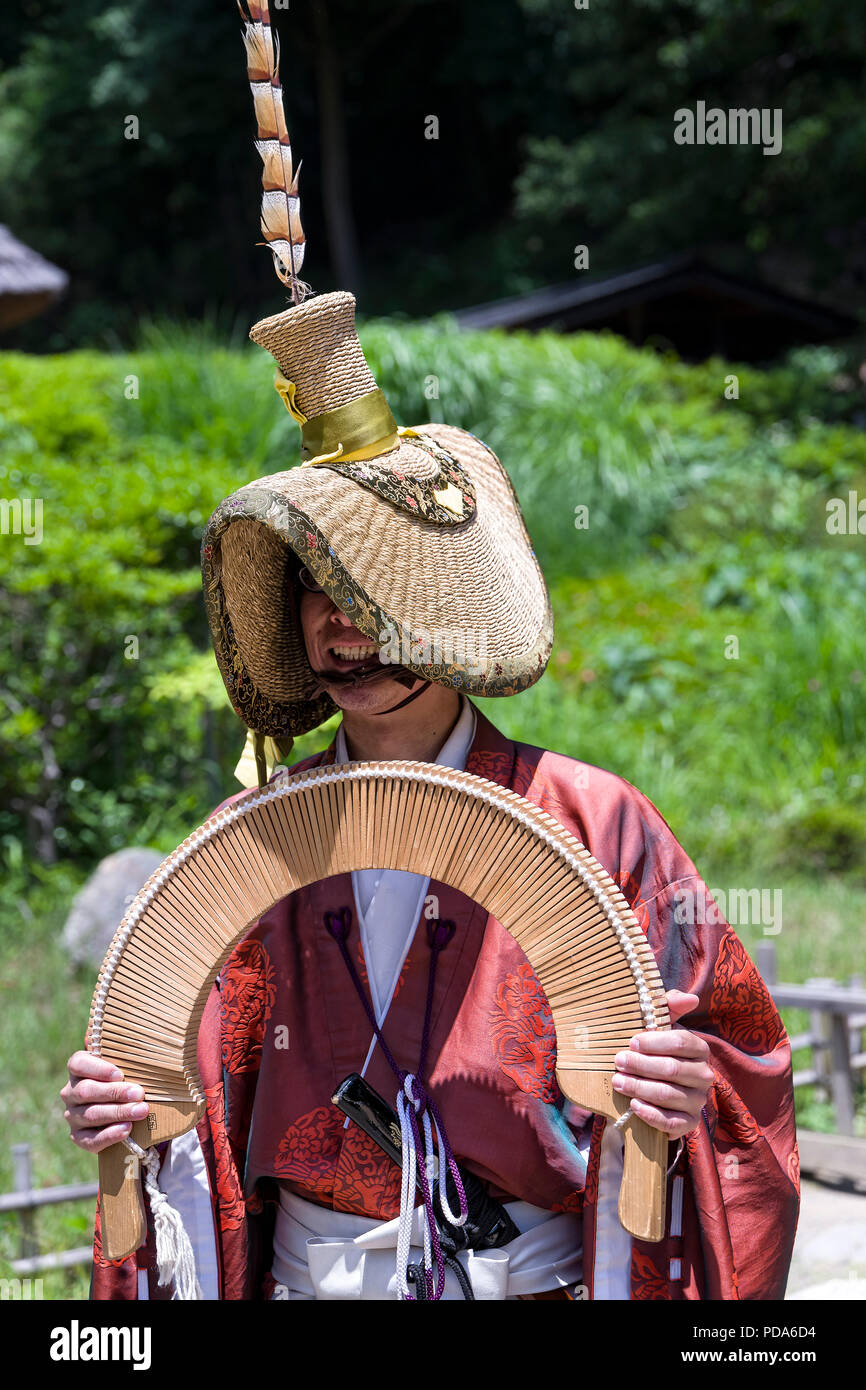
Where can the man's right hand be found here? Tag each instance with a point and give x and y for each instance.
(100, 1106)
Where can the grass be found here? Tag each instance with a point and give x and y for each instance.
(42, 1019)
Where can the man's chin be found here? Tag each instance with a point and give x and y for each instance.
(371, 696)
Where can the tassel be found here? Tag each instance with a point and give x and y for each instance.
(281, 204)
(175, 1260)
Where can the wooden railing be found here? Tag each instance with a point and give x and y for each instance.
(837, 1019)
(25, 1200)
(837, 1014)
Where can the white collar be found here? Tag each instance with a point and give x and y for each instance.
(454, 751)
(389, 902)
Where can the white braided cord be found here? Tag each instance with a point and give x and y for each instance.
(408, 1183)
(175, 1260)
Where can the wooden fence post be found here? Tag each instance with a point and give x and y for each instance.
(766, 962)
(842, 1084)
(28, 1246)
(856, 1022)
(820, 1028)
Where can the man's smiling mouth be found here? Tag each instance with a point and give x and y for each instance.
(354, 656)
(355, 653)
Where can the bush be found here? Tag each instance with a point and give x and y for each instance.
(826, 839)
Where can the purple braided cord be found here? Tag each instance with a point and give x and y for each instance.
(439, 933)
(339, 924)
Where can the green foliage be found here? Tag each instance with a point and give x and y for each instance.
(165, 216)
(826, 837)
(616, 180)
(555, 128)
(42, 1020)
(102, 611)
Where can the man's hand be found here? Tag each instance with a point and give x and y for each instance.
(666, 1074)
(100, 1107)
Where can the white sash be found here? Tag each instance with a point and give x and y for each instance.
(324, 1254)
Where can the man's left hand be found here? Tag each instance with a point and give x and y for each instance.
(666, 1074)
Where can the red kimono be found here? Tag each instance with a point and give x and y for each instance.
(283, 1026)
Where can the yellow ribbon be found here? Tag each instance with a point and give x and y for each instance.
(259, 758)
(350, 431)
(288, 391)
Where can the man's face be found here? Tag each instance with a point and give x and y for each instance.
(336, 647)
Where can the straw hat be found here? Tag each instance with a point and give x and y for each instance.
(415, 534)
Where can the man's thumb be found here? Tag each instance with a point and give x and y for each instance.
(680, 1004)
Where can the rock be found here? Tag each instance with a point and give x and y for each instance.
(98, 909)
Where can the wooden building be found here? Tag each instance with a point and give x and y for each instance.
(684, 303)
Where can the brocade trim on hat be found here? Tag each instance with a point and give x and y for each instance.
(417, 496)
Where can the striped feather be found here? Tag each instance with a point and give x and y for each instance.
(281, 204)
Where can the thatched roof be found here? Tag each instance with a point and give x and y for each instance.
(28, 283)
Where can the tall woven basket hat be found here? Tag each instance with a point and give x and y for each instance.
(414, 533)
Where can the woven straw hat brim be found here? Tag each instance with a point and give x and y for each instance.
(466, 604)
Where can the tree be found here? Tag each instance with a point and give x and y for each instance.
(618, 180)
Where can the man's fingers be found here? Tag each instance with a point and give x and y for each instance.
(83, 1117)
(97, 1068)
(95, 1140)
(679, 1071)
(660, 1093)
(672, 1122)
(679, 1003)
(666, 1073)
(87, 1092)
(671, 1042)
(100, 1105)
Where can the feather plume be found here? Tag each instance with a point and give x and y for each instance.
(281, 205)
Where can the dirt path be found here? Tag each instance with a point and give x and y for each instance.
(830, 1251)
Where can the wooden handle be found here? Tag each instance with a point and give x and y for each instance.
(643, 1190)
(121, 1202)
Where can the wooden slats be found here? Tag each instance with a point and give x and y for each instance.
(529, 873)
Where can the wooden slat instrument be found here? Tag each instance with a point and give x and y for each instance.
(576, 928)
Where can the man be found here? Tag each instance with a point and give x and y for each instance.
(268, 1154)
(391, 577)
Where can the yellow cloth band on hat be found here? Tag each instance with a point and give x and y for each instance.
(381, 446)
(363, 428)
